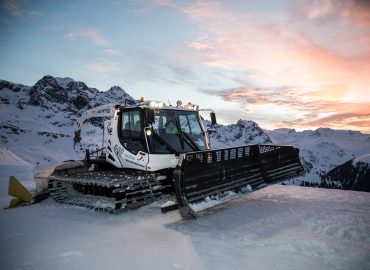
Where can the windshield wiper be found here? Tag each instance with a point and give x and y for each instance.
(183, 135)
(191, 142)
(177, 121)
(164, 143)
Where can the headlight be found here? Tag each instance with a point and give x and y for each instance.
(156, 104)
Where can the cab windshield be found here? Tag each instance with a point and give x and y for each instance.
(180, 130)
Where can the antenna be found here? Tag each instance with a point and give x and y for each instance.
(169, 102)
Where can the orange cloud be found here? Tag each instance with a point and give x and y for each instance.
(309, 110)
(320, 47)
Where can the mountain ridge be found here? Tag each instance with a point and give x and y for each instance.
(37, 121)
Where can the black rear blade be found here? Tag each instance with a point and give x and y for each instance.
(212, 177)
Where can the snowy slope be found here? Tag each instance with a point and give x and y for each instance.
(353, 174)
(323, 149)
(9, 158)
(241, 133)
(279, 227)
(362, 159)
(37, 123)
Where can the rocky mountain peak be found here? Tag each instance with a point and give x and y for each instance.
(61, 94)
(79, 86)
(47, 81)
(244, 123)
(119, 94)
(116, 88)
(243, 132)
(46, 91)
(11, 86)
(64, 81)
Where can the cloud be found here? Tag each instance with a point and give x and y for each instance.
(301, 110)
(206, 10)
(309, 59)
(351, 12)
(337, 121)
(311, 43)
(19, 8)
(12, 7)
(113, 51)
(103, 65)
(199, 45)
(89, 33)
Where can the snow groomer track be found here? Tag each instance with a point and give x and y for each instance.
(106, 191)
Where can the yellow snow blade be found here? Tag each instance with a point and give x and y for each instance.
(15, 202)
(16, 189)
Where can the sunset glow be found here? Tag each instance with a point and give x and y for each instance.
(295, 64)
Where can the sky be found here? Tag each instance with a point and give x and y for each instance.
(284, 64)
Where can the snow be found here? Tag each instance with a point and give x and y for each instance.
(241, 133)
(212, 201)
(7, 157)
(363, 159)
(279, 227)
(323, 149)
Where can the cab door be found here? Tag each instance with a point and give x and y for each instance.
(131, 131)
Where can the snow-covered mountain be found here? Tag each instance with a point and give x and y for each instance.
(323, 149)
(353, 174)
(37, 123)
(241, 133)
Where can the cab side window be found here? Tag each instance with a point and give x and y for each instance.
(131, 131)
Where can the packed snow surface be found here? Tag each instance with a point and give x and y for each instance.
(278, 227)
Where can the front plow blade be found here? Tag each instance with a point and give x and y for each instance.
(209, 178)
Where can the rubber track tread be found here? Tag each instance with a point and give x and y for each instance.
(107, 191)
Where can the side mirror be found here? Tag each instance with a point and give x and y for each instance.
(213, 119)
(149, 115)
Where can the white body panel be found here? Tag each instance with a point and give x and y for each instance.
(120, 157)
(161, 161)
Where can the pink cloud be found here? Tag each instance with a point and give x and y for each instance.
(308, 110)
(320, 47)
(205, 10)
(199, 45)
(319, 40)
(89, 33)
(104, 65)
